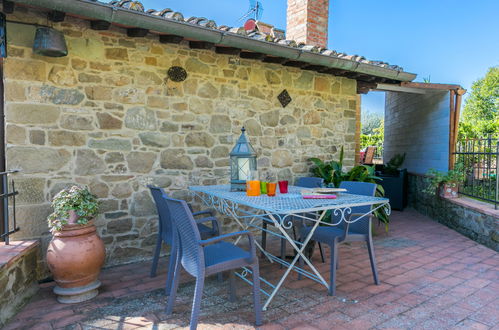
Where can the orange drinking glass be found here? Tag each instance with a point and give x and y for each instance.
(253, 188)
(271, 188)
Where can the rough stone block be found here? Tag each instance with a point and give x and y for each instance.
(25, 70)
(66, 138)
(140, 118)
(37, 160)
(175, 159)
(141, 162)
(32, 113)
(88, 163)
(110, 144)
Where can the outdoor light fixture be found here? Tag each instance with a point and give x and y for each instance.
(242, 163)
(49, 42)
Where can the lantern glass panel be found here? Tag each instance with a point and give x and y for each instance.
(243, 165)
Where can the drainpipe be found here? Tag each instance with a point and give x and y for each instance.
(2, 149)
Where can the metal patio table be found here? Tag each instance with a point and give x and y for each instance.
(249, 212)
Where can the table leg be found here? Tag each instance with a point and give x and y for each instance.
(298, 255)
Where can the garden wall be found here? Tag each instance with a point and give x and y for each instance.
(476, 220)
(108, 117)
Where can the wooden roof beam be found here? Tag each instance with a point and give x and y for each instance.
(200, 45)
(227, 50)
(251, 55)
(170, 39)
(295, 64)
(274, 59)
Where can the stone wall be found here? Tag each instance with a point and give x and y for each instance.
(476, 220)
(18, 280)
(108, 117)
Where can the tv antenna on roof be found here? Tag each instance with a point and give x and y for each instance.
(255, 10)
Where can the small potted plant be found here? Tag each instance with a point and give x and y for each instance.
(76, 253)
(446, 184)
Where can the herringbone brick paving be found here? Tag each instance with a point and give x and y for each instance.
(431, 278)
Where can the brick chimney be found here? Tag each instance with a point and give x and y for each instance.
(307, 21)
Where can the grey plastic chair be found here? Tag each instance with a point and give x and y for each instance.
(202, 258)
(305, 182)
(359, 231)
(165, 232)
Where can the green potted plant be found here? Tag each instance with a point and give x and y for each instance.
(445, 184)
(76, 253)
(333, 174)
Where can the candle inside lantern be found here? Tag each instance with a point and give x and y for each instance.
(243, 165)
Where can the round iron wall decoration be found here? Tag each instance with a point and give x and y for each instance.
(177, 73)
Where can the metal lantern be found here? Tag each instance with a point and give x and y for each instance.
(49, 42)
(242, 162)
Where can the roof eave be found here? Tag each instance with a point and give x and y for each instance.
(121, 16)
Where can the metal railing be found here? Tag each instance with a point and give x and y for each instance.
(4, 206)
(480, 160)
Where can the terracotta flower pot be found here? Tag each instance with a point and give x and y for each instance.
(75, 256)
(449, 190)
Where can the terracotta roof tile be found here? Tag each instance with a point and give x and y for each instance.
(275, 36)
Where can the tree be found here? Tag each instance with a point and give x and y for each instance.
(480, 115)
(372, 131)
(370, 122)
(375, 139)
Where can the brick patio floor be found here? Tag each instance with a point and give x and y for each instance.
(431, 278)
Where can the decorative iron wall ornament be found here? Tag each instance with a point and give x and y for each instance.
(284, 98)
(177, 73)
(3, 36)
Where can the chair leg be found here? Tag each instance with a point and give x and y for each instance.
(332, 280)
(155, 258)
(321, 249)
(171, 268)
(232, 287)
(283, 250)
(174, 286)
(256, 295)
(370, 248)
(196, 304)
(264, 238)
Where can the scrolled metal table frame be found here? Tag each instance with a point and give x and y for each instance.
(281, 210)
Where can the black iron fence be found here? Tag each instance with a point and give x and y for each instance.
(7, 199)
(480, 161)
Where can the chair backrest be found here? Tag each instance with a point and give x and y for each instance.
(369, 155)
(309, 182)
(165, 222)
(359, 188)
(188, 235)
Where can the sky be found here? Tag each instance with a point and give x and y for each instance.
(447, 41)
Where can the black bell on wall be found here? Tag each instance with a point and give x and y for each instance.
(49, 42)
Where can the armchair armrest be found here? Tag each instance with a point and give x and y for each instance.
(211, 212)
(215, 223)
(357, 215)
(217, 239)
